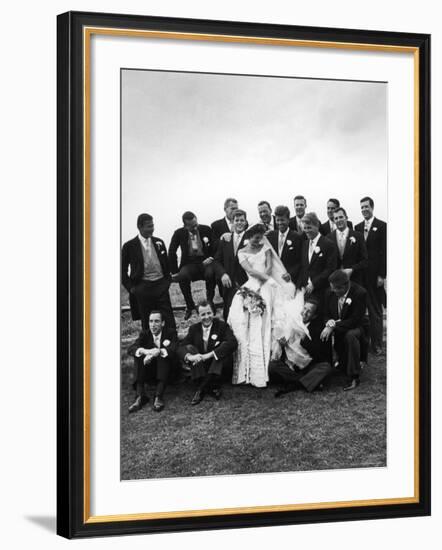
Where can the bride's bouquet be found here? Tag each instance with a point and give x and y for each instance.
(253, 302)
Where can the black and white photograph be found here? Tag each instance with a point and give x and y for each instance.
(253, 274)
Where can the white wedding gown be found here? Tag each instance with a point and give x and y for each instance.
(258, 335)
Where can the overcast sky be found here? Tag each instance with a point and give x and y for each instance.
(191, 140)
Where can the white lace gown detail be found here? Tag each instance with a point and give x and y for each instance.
(257, 334)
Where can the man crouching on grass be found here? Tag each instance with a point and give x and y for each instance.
(155, 357)
(207, 348)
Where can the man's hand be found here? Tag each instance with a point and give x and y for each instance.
(226, 237)
(208, 261)
(380, 281)
(226, 281)
(325, 334)
(286, 277)
(309, 289)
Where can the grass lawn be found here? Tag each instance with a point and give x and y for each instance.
(248, 430)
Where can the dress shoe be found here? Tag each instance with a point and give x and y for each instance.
(197, 398)
(158, 404)
(286, 389)
(352, 385)
(138, 404)
(188, 314)
(216, 392)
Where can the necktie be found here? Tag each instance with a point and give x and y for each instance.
(149, 248)
(157, 341)
(341, 243)
(310, 251)
(281, 243)
(366, 229)
(235, 243)
(340, 305)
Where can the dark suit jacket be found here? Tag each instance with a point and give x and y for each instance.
(353, 311)
(180, 239)
(132, 257)
(169, 342)
(221, 340)
(291, 252)
(219, 227)
(322, 265)
(227, 262)
(355, 255)
(318, 350)
(376, 244)
(325, 227)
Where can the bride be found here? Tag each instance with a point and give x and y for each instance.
(265, 314)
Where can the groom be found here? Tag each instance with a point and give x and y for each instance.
(227, 267)
(286, 243)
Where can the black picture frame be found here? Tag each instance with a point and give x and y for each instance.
(72, 516)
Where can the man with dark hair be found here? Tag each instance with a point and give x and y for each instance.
(318, 258)
(344, 312)
(265, 215)
(227, 268)
(197, 250)
(327, 227)
(208, 349)
(313, 375)
(145, 273)
(350, 248)
(225, 225)
(155, 357)
(375, 236)
(300, 205)
(286, 243)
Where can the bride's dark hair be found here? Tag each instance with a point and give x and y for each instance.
(256, 229)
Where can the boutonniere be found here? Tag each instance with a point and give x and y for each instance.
(166, 343)
(352, 240)
(317, 250)
(214, 336)
(374, 228)
(206, 239)
(163, 252)
(290, 247)
(348, 301)
(246, 242)
(288, 241)
(320, 255)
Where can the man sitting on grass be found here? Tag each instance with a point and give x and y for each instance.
(314, 374)
(207, 348)
(155, 357)
(345, 303)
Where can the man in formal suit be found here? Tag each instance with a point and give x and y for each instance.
(286, 243)
(300, 205)
(154, 353)
(318, 258)
(197, 251)
(313, 375)
(344, 312)
(208, 349)
(145, 273)
(350, 248)
(224, 225)
(375, 236)
(227, 268)
(329, 226)
(265, 215)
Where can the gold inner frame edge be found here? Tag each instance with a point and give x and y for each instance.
(87, 33)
